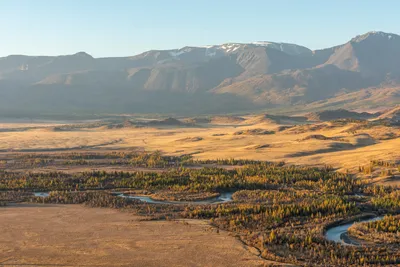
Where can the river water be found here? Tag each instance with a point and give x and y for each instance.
(338, 233)
(41, 194)
(222, 198)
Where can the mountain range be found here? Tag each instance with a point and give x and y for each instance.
(235, 77)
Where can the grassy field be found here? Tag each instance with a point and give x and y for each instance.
(71, 235)
(345, 146)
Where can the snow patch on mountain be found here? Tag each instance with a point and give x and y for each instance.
(228, 48)
(363, 37)
(291, 49)
(176, 53)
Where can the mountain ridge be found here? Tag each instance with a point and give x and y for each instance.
(242, 76)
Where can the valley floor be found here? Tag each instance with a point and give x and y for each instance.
(343, 145)
(280, 209)
(72, 235)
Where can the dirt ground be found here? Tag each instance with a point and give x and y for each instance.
(73, 235)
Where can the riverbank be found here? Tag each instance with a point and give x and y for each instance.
(338, 230)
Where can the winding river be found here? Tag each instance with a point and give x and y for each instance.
(41, 194)
(339, 234)
(222, 198)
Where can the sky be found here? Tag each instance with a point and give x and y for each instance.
(105, 28)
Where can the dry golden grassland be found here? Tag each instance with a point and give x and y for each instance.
(72, 235)
(343, 146)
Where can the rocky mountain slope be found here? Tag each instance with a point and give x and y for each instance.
(221, 78)
(392, 115)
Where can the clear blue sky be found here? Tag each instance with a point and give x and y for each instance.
(124, 28)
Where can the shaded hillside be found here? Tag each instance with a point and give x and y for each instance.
(299, 86)
(392, 115)
(278, 119)
(328, 115)
(374, 54)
